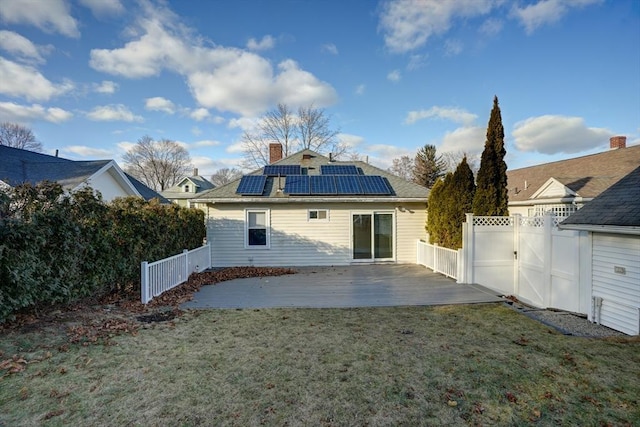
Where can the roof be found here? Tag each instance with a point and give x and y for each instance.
(618, 206)
(176, 192)
(311, 161)
(19, 166)
(587, 176)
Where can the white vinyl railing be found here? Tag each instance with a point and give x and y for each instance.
(160, 276)
(440, 260)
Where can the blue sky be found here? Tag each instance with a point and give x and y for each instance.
(91, 77)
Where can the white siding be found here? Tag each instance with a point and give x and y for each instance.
(296, 241)
(108, 186)
(616, 279)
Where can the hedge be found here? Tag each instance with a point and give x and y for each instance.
(58, 248)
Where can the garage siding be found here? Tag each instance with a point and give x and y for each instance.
(296, 241)
(616, 279)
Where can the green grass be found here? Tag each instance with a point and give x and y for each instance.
(450, 365)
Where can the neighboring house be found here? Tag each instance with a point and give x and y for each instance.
(22, 166)
(613, 269)
(309, 210)
(187, 188)
(564, 186)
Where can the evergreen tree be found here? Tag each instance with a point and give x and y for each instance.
(460, 200)
(434, 205)
(491, 197)
(428, 166)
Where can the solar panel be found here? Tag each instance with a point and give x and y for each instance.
(252, 184)
(338, 170)
(322, 184)
(348, 184)
(282, 170)
(297, 184)
(374, 184)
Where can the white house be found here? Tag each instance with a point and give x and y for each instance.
(307, 209)
(22, 166)
(564, 186)
(187, 189)
(612, 221)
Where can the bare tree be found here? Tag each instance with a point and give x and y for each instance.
(18, 136)
(308, 129)
(225, 176)
(159, 164)
(454, 158)
(403, 167)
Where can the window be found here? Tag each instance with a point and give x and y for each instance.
(186, 188)
(318, 215)
(257, 229)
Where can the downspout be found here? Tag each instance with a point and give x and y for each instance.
(597, 309)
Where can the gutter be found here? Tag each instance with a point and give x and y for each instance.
(616, 229)
(310, 200)
(530, 202)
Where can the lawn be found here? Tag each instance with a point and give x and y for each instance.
(448, 365)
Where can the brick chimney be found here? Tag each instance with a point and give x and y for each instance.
(275, 152)
(617, 142)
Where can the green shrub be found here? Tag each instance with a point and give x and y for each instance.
(57, 248)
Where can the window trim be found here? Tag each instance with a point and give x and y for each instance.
(267, 220)
(309, 219)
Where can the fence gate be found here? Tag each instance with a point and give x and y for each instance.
(530, 241)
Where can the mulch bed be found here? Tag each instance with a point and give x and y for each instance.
(98, 320)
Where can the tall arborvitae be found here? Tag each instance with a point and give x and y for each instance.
(491, 197)
(428, 166)
(460, 193)
(434, 209)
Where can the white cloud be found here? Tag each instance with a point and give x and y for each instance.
(125, 146)
(360, 89)
(199, 114)
(51, 16)
(245, 123)
(205, 143)
(491, 27)
(235, 148)
(266, 43)
(196, 131)
(106, 86)
(159, 103)
(110, 113)
(330, 48)
(226, 79)
(557, 134)
(22, 47)
(456, 115)
(84, 151)
(417, 61)
(384, 154)
(12, 112)
(25, 81)
(408, 24)
(468, 139)
(452, 47)
(351, 141)
(545, 12)
(101, 8)
(394, 76)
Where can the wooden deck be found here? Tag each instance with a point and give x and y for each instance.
(337, 287)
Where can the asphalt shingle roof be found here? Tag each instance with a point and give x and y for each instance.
(588, 176)
(312, 161)
(21, 166)
(619, 205)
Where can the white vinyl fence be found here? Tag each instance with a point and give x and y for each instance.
(160, 276)
(441, 260)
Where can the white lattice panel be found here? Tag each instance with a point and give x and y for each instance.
(532, 221)
(492, 221)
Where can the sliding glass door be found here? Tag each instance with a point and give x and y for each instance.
(372, 236)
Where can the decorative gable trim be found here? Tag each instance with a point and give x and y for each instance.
(553, 189)
(117, 173)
